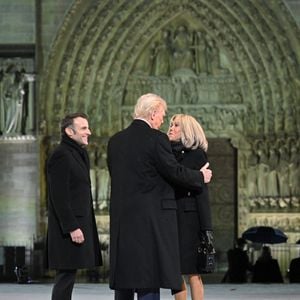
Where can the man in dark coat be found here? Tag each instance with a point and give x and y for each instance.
(72, 241)
(144, 249)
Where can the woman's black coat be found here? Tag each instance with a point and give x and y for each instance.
(144, 251)
(194, 214)
(70, 207)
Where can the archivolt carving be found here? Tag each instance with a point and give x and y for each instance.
(218, 121)
(270, 174)
(233, 64)
(183, 89)
(106, 43)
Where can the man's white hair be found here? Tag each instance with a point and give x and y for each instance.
(147, 104)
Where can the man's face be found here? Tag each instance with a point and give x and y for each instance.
(157, 117)
(80, 131)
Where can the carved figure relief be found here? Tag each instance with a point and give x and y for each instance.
(184, 66)
(16, 99)
(237, 72)
(181, 49)
(273, 176)
(162, 55)
(100, 179)
(183, 56)
(103, 182)
(200, 45)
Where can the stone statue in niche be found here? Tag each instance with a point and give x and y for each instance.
(252, 176)
(103, 181)
(283, 169)
(92, 156)
(272, 177)
(183, 56)
(162, 55)
(16, 98)
(200, 46)
(263, 168)
(214, 59)
(12, 99)
(145, 64)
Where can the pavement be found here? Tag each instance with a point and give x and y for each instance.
(99, 291)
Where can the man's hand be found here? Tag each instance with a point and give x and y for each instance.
(207, 173)
(77, 236)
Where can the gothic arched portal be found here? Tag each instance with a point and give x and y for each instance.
(232, 64)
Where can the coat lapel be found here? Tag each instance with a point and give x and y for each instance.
(81, 163)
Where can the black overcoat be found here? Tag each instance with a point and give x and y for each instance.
(70, 207)
(144, 250)
(194, 212)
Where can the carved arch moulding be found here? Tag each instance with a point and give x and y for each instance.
(234, 63)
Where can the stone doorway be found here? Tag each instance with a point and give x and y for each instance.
(223, 196)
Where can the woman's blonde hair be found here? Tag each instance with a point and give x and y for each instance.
(147, 104)
(192, 134)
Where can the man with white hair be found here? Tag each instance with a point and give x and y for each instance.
(144, 250)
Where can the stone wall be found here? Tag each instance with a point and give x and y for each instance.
(17, 22)
(19, 208)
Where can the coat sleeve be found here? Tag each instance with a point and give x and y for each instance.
(170, 169)
(59, 191)
(195, 159)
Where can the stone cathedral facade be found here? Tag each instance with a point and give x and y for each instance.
(234, 65)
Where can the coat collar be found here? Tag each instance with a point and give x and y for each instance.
(79, 153)
(144, 120)
(141, 122)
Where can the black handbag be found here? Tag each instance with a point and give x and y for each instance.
(206, 254)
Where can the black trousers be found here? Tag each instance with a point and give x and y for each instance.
(142, 294)
(63, 286)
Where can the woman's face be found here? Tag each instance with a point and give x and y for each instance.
(174, 132)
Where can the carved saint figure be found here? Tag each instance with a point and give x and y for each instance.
(200, 52)
(103, 186)
(12, 97)
(263, 169)
(252, 177)
(273, 174)
(162, 55)
(182, 56)
(283, 168)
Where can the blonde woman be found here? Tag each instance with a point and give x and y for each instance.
(189, 145)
